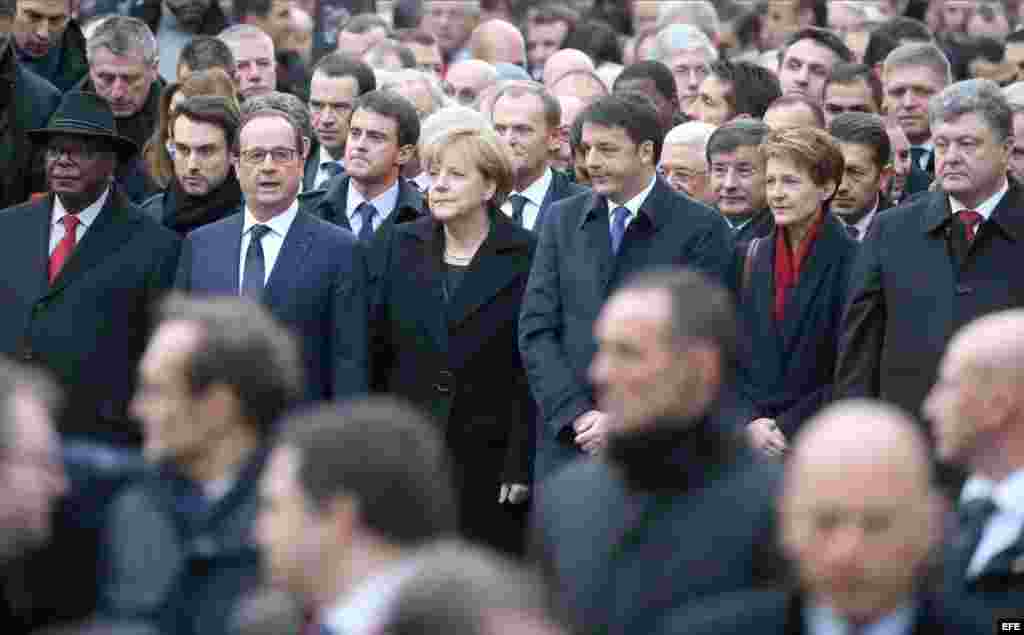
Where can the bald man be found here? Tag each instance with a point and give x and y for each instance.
(498, 41)
(565, 61)
(468, 79)
(583, 84)
(976, 410)
(571, 106)
(858, 517)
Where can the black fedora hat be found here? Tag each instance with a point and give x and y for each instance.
(85, 114)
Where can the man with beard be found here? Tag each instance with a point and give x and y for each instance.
(205, 188)
(175, 22)
(609, 528)
(866, 150)
(49, 42)
(26, 102)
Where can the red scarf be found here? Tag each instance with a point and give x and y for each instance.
(788, 264)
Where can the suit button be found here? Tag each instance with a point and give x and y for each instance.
(28, 355)
(445, 382)
(964, 289)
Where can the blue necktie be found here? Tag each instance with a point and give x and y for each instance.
(619, 216)
(254, 273)
(366, 211)
(518, 202)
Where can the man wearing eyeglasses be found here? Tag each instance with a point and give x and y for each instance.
(310, 274)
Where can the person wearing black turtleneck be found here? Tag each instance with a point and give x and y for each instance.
(674, 507)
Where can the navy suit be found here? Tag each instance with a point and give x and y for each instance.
(999, 587)
(561, 187)
(574, 272)
(317, 288)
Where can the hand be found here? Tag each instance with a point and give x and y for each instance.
(765, 435)
(514, 493)
(591, 431)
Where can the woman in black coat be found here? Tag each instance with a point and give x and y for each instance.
(791, 287)
(445, 330)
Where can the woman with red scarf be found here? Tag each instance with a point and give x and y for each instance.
(790, 288)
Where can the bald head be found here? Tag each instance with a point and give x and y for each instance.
(858, 515)
(497, 41)
(469, 78)
(566, 61)
(994, 342)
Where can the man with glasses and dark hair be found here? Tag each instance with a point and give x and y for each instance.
(310, 274)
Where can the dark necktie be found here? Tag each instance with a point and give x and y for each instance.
(332, 168)
(254, 273)
(366, 212)
(65, 247)
(971, 219)
(853, 231)
(518, 202)
(974, 515)
(618, 229)
(916, 154)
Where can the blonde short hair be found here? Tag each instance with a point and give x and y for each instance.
(484, 149)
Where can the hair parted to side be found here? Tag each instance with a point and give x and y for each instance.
(983, 97)
(752, 87)
(279, 105)
(810, 149)
(632, 112)
(921, 54)
(865, 129)
(483, 147)
(739, 133)
(391, 105)
(214, 110)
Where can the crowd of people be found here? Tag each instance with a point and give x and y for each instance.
(511, 316)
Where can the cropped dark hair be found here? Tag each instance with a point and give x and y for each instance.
(866, 129)
(655, 71)
(901, 28)
(752, 87)
(214, 110)
(335, 65)
(386, 455)
(844, 73)
(597, 39)
(390, 104)
(733, 135)
(824, 37)
(204, 52)
(245, 8)
(637, 117)
(242, 347)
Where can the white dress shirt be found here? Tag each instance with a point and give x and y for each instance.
(365, 610)
(534, 195)
(322, 175)
(1006, 524)
(272, 241)
(822, 620)
(986, 207)
(86, 218)
(385, 203)
(422, 181)
(929, 151)
(633, 204)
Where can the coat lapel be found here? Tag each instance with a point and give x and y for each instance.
(1008, 215)
(109, 233)
(31, 249)
(332, 205)
(502, 258)
(428, 278)
(221, 268)
(597, 242)
(288, 268)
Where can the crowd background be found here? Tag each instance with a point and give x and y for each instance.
(511, 316)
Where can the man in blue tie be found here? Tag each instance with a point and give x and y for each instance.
(310, 274)
(588, 246)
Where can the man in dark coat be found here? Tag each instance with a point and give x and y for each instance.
(866, 156)
(26, 103)
(930, 266)
(984, 556)
(676, 508)
(736, 179)
(179, 544)
(862, 560)
(49, 42)
(589, 244)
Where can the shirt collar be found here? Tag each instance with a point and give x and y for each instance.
(633, 204)
(537, 190)
(364, 609)
(822, 620)
(865, 223)
(326, 158)
(278, 224)
(1007, 494)
(384, 202)
(986, 207)
(85, 217)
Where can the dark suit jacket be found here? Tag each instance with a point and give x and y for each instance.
(909, 294)
(1000, 585)
(786, 371)
(317, 289)
(311, 167)
(782, 613)
(761, 225)
(458, 358)
(624, 559)
(91, 326)
(329, 204)
(561, 187)
(573, 274)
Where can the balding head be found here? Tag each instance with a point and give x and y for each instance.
(976, 407)
(858, 512)
(469, 78)
(566, 61)
(498, 41)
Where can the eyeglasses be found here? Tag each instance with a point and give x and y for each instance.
(258, 156)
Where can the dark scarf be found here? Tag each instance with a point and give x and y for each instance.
(183, 212)
(672, 455)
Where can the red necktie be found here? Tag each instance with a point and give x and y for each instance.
(65, 247)
(971, 219)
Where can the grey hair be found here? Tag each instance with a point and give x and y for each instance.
(1014, 94)
(235, 34)
(700, 13)
(123, 35)
(680, 37)
(437, 96)
(981, 96)
(691, 133)
(287, 103)
(923, 54)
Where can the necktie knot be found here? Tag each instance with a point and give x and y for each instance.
(853, 231)
(332, 168)
(518, 202)
(65, 247)
(71, 222)
(366, 213)
(619, 217)
(259, 231)
(971, 219)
